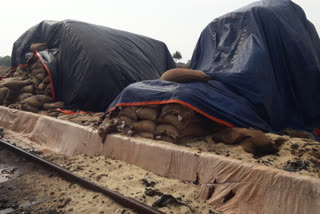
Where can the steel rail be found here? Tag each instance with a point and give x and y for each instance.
(131, 203)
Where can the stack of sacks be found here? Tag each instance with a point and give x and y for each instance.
(28, 88)
(178, 124)
(173, 123)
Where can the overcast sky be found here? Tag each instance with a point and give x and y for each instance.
(178, 23)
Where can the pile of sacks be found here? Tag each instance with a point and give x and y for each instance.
(173, 123)
(178, 124)
(28, 88)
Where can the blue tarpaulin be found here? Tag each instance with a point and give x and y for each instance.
(264, 64)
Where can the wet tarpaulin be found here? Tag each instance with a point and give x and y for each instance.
(91, 64)
(264, 65)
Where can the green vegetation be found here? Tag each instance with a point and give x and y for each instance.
(5, 60)
(177, 56)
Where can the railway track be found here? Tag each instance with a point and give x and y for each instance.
(130, 203)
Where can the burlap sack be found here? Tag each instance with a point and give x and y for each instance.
(36, 65)
(38, 47)
(166, 130)
(37, 101)
(228, 136)
(40, 76)
(126, 121)
(35, 81)
(48, 90)
(144, 126)
(55, 105)
(24, 96)
(29, 108)
(146, 113)
(165, 138)
(128, 112)
(11, 97)
(182, 111)
(27, 89)
(38, 70)
(16, 84)
(42, 86)
(298, 133)
(173, 120)
(182, 75)
(46, 80)
(148, 135)
(3, 93)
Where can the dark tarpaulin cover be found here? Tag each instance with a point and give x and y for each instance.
(263, 60)
(92, 64)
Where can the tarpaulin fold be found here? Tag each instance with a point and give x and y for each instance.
(264, 65)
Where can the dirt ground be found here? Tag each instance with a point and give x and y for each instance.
(33, 183)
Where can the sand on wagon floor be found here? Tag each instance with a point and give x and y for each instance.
(36, 183)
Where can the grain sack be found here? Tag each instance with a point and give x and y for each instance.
(37, 101)
(174, 120)
(46, 80)
(35, 81)
(148, 135)
(27, 89)
(16, 84)
(37, 65)
(144, 126)
(228, 136)
(196, 129)
(182, 75)
(145, 113)
(37, 71)
(42, 86)
(128, 112)
(125, 130)
(182, 111)
(126, 121)
(44, 113)
(11, 97)
(47, 90)
(165, 138)
(3, 94)
(29, 108)
(55, 105)
(24, 96)
(166, 130)
(38, 47)
(40, 76)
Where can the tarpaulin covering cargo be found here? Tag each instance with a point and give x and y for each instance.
(91, 64)
(264, 65)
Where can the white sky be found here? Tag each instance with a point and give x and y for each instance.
(178, 23)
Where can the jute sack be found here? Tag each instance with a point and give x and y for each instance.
(29, 108)
(146, 113)
(124, 120)
(24, 96)
(27, 89)
(46, 80)
(38, 47)
(128, 112)
(148, 135)
(174, 120)
(38, 70)
(165, 138)
(144, 126)
(35, 81)
(40, 76)
(3, 94)
(37, 101)
(36, 65)
(182, 111)
(47, 90)
(166, 130)
(11, 97)
(183, 75)
(42, 86)
(228, 136)
(55, 105)
(256, 142)
(16, 84)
